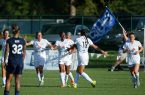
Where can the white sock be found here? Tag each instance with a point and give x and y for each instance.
(77, 78)
(42, 77)
(39, 77)
(62, 75)
(87, 77)
(137, 76)
(4, 80)
(66, 78)
(71, 76)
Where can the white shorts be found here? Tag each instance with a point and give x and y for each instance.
(39, 60)
(133, 60)
(66, 61)
(83, 59)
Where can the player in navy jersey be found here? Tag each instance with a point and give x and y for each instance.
(15, 48)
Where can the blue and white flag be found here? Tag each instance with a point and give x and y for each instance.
(102, 26)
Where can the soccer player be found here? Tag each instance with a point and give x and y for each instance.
(68, 60)
(3, 44)
(39, 45)
(121, 55)
(61, 46)
(15, 47)
(82, 44)
(133, 49)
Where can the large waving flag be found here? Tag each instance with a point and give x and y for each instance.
(102, 26)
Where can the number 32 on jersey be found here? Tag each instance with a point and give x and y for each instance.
(17, 49)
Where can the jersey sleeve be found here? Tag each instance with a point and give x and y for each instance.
(57, 43)
(90, 42)
(139, 44)
(125, 46)
(8, 41)
(48, 43)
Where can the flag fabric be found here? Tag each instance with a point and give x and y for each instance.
(102, 26)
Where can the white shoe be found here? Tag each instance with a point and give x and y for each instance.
(41, 83)
(112, 69)
(135, 85)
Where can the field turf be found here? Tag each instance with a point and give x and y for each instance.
(108, 83)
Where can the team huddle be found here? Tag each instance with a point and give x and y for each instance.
(14, 51)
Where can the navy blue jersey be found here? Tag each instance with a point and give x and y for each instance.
(16, 46)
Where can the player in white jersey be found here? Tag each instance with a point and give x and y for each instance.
(82, 44)
(39, 45)
(68, 59)
(121, 55)
(3, 44)
(61, 46)
(133, 49)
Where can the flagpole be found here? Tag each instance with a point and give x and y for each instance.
(124, 31)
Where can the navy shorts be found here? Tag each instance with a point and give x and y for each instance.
(14, 68)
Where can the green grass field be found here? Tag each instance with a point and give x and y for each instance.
(108, 83)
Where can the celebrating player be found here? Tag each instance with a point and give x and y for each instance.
(68, 59)
(3, 44)
(15, 47)
(133, 49)
(39, 45)
(121, 55)
(82, 44)
(60, 45)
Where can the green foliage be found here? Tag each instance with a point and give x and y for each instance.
(62, 7)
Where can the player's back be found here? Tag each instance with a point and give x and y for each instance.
(83, 44)
(16, 46)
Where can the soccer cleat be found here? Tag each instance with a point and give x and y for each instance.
(135, 85)
(75, 85)
(112, 69)
(62, 86)
(41, 83)
(72, 82)
(93, 84)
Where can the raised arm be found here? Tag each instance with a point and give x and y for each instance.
(124, 34)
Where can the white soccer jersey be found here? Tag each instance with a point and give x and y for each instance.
(132, 57)
(62, 48)
(82, 48)
(83, 44)
(3, 44)
(39, 51)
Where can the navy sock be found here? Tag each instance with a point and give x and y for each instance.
(17, 92)
(6, 92)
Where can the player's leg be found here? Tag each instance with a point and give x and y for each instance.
(133, 77)
(3, 74)
(41, 75)
(18, 73)
(85, 75)
(17, 84)
(136, 71)
(38, 73)
(9, 78)
(62, 74)
(68, 74)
